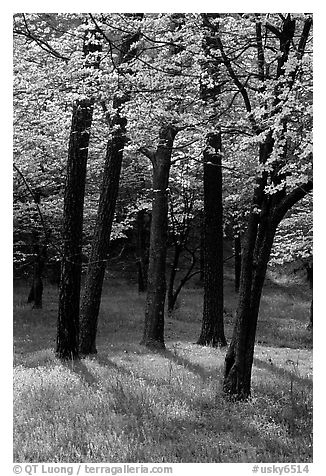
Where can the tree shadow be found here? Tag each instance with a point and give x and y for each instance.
(78, 367)
(207, 420)
(279, 371)
(194, 368)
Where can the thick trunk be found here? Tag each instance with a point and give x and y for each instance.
(212, 332)
(237, 263)
(171, 294)
(100, 246)
(69, 291)
(154, 312)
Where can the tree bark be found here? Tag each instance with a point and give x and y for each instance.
(212, 332)
(237, 263)
(69, 291)
(153, 336)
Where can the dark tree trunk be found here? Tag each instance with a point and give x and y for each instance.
(238, 363)
(311, 315)
(154, 313)
(36, 292)
(202, 249)
(69, 291)
(237, 263)
(39, 251)
(109, 191)
(172, 297)
(212, 332)
(141, 252)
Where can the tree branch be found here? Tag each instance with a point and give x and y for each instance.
(149, 153)
(290, 200)
(273, 29)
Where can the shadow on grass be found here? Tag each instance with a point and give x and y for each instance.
(194, 368)
(261, 364)
(216, 430)
(78, 367)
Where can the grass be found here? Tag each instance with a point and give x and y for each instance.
(129, 404)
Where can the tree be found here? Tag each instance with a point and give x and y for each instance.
(163, 104)
(107, 202)
(69, 290)
(212, 332)
(70, 279)
(276, 191)
(153, 336)
(39, 251)
(142, 250)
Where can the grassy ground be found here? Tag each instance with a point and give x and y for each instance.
(131, 405)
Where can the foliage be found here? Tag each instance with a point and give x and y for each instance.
(163, 84)
(293, 242)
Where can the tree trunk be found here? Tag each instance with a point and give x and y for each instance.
(212, 332)
(237, 263)
(311, 315)
(238, 363)
(39, 251)
(141, 252)
(202, 249)
(154, 312)
(36, 292)
(69, 291)
(171, 295)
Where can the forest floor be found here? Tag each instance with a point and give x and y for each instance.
(128, 404)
